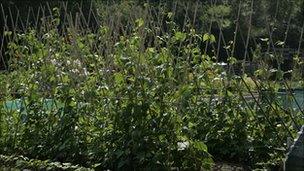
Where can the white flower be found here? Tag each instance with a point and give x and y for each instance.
(182, 145)
(85, 71)
(77, 62)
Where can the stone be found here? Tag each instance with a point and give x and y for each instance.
(295, 156)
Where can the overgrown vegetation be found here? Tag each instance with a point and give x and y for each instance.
(140, 93)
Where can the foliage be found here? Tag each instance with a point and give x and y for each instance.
(22, 162)
(141, 98)
(113, 112)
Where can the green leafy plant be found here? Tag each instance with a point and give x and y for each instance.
(138, 98)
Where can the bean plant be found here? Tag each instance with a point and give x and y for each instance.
(140, 100)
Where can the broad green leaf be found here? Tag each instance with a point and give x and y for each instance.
(140, 22)
(206, 37)
(179, 36)
(200, 146)
(212, 38)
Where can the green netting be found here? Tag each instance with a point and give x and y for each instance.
(294, 101)
(19, 104)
